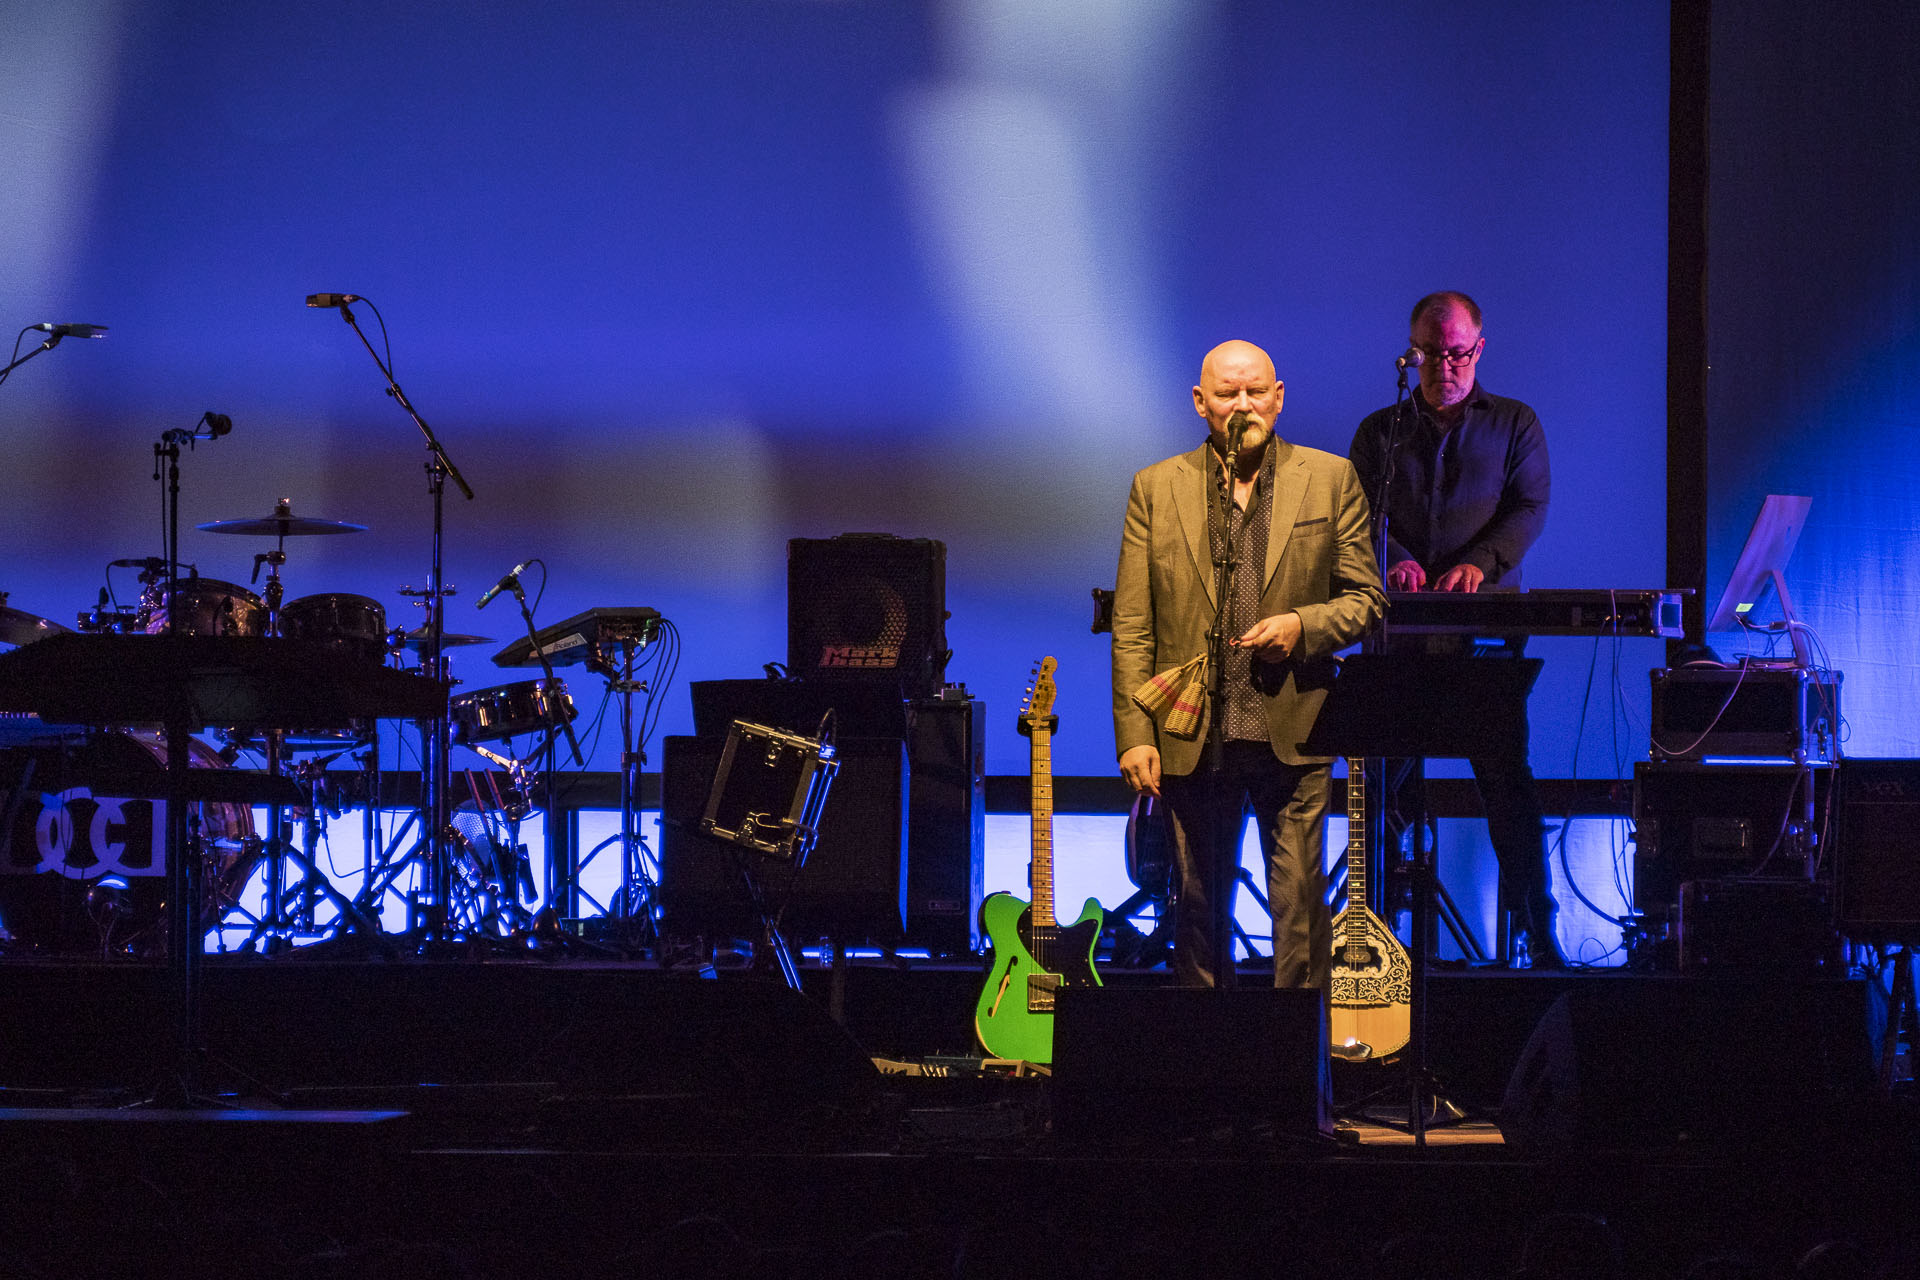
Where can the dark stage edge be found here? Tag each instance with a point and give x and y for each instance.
(618, 1119)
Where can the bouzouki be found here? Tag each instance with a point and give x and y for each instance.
(1370, 1005)
(1033, 955)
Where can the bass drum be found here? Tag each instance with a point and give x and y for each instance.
(207, 607)
(83, 872)
(487, 715)
(354, 625)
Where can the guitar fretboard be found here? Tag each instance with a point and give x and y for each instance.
(1041, 763)
(1356, 851)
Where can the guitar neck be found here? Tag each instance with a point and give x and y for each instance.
(1040, 758)
(1356, 849)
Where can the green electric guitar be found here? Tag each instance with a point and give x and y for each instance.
(1033, 956)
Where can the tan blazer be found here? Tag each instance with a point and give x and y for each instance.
(1320, 563)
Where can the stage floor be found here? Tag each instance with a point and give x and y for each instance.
(492, 1118)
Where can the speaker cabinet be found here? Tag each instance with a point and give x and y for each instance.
(1151, 1065)
(852, 887)
(1629, 1063)
(947, 828)
(868, 606)
(1877, 875)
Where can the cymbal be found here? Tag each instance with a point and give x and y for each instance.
(281, 524)
(20, 627)
(417, 639)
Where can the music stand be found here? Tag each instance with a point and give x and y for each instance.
(187, 682)
(1421, 706)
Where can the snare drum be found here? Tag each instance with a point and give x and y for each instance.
(489, 714)
(207, 607)
(355, 625)
(71, 841)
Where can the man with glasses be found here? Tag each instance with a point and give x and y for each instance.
(1466, 481)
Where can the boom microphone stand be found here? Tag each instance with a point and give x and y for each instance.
(54, 333)
(435, 735)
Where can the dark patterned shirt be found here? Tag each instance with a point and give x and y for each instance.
(1246, 715)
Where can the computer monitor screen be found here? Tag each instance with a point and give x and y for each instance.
(1763, 561)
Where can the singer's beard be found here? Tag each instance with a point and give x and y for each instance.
(1252, 440)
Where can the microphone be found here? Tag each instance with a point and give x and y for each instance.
(1412, 359)
(151, 564)
(217, 423)
(1236, 430)
(331, 299)
(512, 579)
(72, 330)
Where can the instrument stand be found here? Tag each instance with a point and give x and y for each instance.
(638, 894)
(772, 946)
(1446, 909)
(1417, 707)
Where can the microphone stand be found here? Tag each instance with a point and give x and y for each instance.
(1223, 865)
(436, 735)
(186, 925)
(53, 340)
(556, 891)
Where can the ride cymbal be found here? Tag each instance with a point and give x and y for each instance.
(18, 627)
(281, 524)
(417, 639)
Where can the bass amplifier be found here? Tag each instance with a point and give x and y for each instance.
(868, 606)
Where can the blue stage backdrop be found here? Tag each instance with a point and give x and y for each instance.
(676, 282)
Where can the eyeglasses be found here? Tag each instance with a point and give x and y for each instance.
(1454, 358)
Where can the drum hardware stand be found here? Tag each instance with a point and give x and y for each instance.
(274, 560)
(511, 881)
(168, 447)
(436, 735)
(559, 884)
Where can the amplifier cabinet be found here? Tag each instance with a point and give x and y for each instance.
(1877, 855)
(947, 825)
(1754, 712)
(868, 606)
(1718, 822)
(1758, 926)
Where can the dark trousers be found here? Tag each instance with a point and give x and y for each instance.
(1289, 804)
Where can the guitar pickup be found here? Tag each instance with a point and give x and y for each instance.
(1040, 989)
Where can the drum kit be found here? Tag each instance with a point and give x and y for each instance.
(73, 880)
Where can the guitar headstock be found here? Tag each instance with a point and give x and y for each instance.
(1036, 708)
